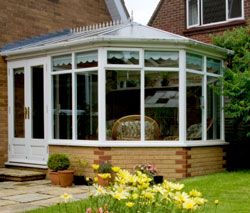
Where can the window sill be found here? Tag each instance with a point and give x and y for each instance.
(213, 27)
(138, 143)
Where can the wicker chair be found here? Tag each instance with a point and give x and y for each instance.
(194, 132)
(129, 128)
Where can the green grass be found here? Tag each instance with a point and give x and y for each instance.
(232, 189)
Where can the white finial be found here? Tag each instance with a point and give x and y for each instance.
(83, 28)
(132, 16)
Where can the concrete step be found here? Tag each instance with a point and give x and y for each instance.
(20, 175)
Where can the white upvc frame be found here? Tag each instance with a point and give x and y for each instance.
(200, 15)
(102, 67)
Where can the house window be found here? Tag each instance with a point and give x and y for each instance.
(123, 57)
(206, 12)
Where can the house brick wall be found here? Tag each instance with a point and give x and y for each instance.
(171, 16)
(25, 18)
(173, 163)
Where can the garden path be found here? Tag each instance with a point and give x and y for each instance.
(29, 195)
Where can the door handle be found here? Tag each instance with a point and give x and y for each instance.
(28, 113)
(25, 112)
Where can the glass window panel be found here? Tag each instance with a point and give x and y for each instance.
(123, 99)
(194, 62)
(37, 115)
(62, 106)
(213, 66)
(161, 59)
(87, 107)
(62, 62)
(213, 110)
(86, 59)
(19, 125)
(123, 57)
(234, 8)
(192, 12)
(194, 106)
(161, 105)
(214, 11)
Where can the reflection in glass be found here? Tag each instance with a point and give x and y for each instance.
(62, 106)
(213, 66)
(213, 109)
(162, 103)
(161, 59)
(195, 104)
(37, 99)
(87, 108)
(123, 99)
(194, 62)
(214, 11)
(86, 59)
(123, 57)
(62, 62)
(19, 125)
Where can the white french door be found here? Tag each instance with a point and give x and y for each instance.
(27, 111)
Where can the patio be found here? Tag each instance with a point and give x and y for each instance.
(29, 195)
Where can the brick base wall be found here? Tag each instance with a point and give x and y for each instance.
(172, 163)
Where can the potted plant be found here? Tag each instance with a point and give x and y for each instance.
(58, 164)
(103, 173)
(80, 179)
(55, 163)
(150, 171)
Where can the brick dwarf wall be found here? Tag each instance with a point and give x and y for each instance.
(23, 19)
(172, 163)
(171, 16)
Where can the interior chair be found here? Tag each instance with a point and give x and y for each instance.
(194, 132)
(129, 128)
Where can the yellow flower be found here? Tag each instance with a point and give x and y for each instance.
(135, 196)
(181, 197)
(105, 175)
(216, 202)
(200, 201)
(115, 169)
(95, 166)
(189, 204)
(130, 204)
(148, 195)
(87, 179)
(195, 193)
(95, 179)
(58, 202)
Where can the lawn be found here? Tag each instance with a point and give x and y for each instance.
(232, 189)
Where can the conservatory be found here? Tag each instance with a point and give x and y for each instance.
(119, 92)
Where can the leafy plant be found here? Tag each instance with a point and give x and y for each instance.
(57, 162)
(236, 81)
(105, 168)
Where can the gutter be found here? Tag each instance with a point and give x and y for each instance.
(96, 39)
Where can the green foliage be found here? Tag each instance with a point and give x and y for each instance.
(57, 162)
(236, 82)
(105, 168)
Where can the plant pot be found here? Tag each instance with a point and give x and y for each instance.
(158, 179)
(54, 177)
(66, 177)
(103, 182)
(80, 180)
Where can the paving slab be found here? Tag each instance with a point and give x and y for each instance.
(26, 198)
(9, 192)
(59, 191)
(21, 207)
(7, 202)
(46, 203)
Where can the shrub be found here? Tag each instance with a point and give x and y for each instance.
(57, 162)
(105, 168)
(147, 169)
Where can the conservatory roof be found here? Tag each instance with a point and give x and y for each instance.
(112, 31)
